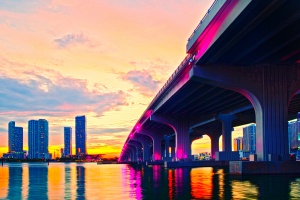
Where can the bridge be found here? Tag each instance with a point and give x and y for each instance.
(242, 66)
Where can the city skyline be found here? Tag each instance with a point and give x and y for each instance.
(72, 59)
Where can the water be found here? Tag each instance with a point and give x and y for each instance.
(92, 181)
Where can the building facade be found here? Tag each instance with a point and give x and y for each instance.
(249, 139)
(294, 134)
(38, 139)
(238, 144)
(67, 141)
(15, 138)
(80, 135)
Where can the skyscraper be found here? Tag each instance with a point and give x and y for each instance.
(80, 135)
(68, 141)
(38, 138)
(294, 134)
(43, 141)
(238, 144)
(15, 138)
(249, 139)
(32, 139)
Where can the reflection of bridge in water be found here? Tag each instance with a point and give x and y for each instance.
(243, 66)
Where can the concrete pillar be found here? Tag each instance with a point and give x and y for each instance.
(226, 120)
(133, 152)
(145, 141)
(214, 144)
(156, 139)
(139, 147)
(173, 148)
(157, 147)
(167, 156)
(269, 88)
(180, 125)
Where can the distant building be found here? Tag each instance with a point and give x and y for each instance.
(238, 144)
(33, 139)
(67, 141)
(38, 139)
(80, 135)
(294, 134)
(15, 140)
(249, 139)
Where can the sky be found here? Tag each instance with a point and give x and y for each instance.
(105, 59)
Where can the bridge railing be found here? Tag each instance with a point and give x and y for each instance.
(211, 13)
(185, 61)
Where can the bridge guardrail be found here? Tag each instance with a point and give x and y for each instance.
(212, 11)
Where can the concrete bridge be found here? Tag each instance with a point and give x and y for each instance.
(242, 66)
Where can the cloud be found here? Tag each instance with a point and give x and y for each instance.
(42, 96)
(142, 81)
(73, 39)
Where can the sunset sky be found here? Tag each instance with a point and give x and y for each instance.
(105, 59)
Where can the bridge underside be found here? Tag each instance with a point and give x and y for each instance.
(264, 33)
(266, 36)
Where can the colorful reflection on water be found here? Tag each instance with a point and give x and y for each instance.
(92, 181)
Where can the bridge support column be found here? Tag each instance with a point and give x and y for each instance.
(214, 144)
(173, 148)
(226, 120)
(180, 125)
(133, 153)
(138, 147)
(157, 148)
(269, 88)
(167, 147)
(156, 138)
(145, 142)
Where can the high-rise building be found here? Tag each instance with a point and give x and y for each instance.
(238, 144)
(249, 139)
(68, 141)
(294, 134)
(15, 138)
(80, 135)
(33, 139)
(38, 139)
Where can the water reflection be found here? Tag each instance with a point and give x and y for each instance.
(91, 181)
(15, 183)
(80, 178)
(38, 182)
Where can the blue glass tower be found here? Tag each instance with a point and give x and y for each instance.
(32, 139)
(15, 138)
(38, 138)
(80, 135)
(68, 141)
(43, 141)
(249, 139)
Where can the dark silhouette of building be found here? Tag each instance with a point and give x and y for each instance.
(80, 136)
(67, 141)
(15, 138)
(38, 139)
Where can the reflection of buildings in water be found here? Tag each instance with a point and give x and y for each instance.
(38, 182)
(68, 189)
(15, 183)
(80, 178)
(272, 186)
